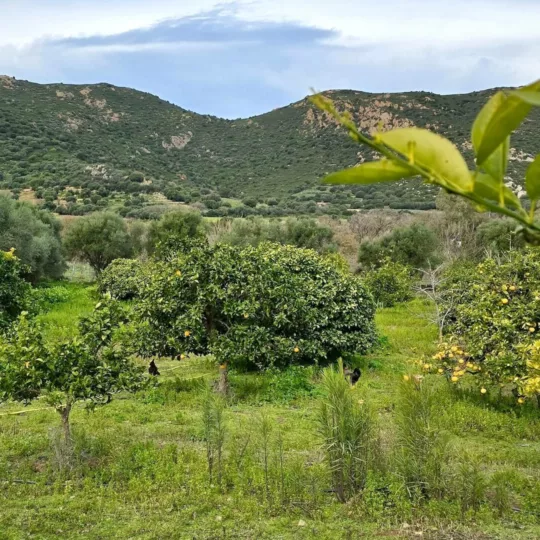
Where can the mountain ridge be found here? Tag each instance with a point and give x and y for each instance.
(102, 143)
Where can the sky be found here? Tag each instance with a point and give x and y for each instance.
(239, 58)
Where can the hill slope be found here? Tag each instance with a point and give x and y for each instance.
(104, 141)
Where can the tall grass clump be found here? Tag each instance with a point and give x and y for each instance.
(347, 427)
(215, 432)
(422, 448)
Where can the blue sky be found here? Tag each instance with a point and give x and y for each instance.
(245, 57)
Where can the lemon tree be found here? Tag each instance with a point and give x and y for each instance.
(493, 333)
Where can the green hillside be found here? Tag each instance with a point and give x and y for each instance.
(85, 147)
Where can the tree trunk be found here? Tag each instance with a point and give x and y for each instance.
(64, 414)
(223, 382)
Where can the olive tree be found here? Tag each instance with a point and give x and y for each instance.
(35, 235)
(14, 291)
(98, 239)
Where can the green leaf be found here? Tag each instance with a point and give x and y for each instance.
(532, 179)
(432, 152)
(497, 162)
(489, 189)
(504, 119)
(371, 172)
(528, 96)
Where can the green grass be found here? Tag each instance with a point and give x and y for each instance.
(60, 321)
(141, 470)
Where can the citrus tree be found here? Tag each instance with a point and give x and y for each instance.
(254, 307)
(90, 368)
(493, 325)
(390, 283)
(414, 152)
(14, 291)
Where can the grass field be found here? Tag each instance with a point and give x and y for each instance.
(140, 469)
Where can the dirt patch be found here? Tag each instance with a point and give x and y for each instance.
(71, 123)
(64, 95)
(86, 91)
(178, 141)
(98, 170)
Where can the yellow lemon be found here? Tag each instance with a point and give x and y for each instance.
(454, 379)
(512, 287)
(440, 370)
(178, 273)
(483, 391)
(406, 378)
(246, 315)
(187, 333)
(504, 301)
(426, 366)
(296, 350)
(461, 361)
(521, 401)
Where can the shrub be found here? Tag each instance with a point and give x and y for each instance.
(254, 307)
(415, 246)
(299, 232)
(494, 319)
(122, 279)
(35, 234)
(499, 236)
(98, 239)
(14, 291)
(389, 284)
(174, 226)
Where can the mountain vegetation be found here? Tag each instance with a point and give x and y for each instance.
(82, 148)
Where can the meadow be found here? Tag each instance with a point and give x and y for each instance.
(141, 470)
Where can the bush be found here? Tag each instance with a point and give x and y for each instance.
(299, 232)
(174, 226)
(390, 284)
(98, 239)
(254, 307)
(35, 234)
(14, 291)
(493, 325)
(121, 279)
(415, 246)
(498, 236)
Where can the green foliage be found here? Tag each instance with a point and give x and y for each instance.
(35, 234)
(122, 279)
(98, 239)
(498, 236)
(415, 246)
(90, 367)
(14, 291)
(302, 233)
(413, 151)
(174, 227)
(254, 307)
(348, 430)
(493, 323)
(390, 283)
